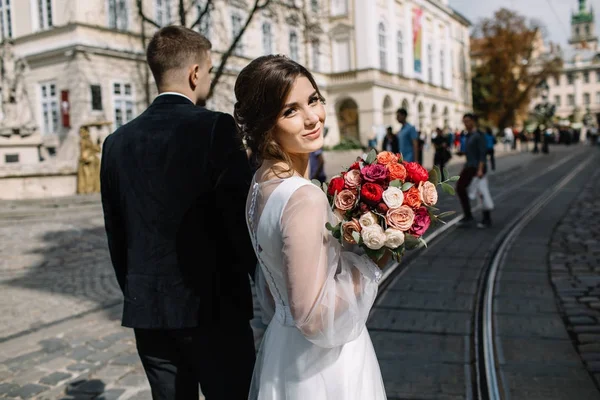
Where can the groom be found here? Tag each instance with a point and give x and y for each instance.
(174, 187)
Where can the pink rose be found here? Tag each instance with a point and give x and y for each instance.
(401, 218)
(429, 193)
(345, 200)
(375, 173)
(421, 222)
(348, 228)
(352, 179)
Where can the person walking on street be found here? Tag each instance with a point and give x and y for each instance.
(408, 137)
(476, 154)
(390, 142)
(442, 154)
(490, 142)
(537, 138)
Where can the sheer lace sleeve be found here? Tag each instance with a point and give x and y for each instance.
(330, 290)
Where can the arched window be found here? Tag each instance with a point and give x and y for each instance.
(430, 62)
(442, 69)
(316, 55)
(382, 47)
(400, 49)
(294, 46)
(314, 5)
(267, 38)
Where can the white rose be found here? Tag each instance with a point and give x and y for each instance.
(368, 219)
(393, 197)
(373, 237)
(393, 238)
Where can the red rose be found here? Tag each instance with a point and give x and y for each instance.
(363, 207)
(356, 165)
(371, 193)
(415, 172)
(336, 185)
(421, 223)
(376, 173)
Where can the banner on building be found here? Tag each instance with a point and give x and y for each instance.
(417, 26)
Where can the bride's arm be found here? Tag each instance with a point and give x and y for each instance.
(331, 291)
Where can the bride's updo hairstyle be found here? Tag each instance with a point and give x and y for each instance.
(261, 90)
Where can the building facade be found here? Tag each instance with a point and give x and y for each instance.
(85, 63)
(576, 91)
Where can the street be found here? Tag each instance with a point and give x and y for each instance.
(60, 333)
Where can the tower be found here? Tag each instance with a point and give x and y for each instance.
(583, 28)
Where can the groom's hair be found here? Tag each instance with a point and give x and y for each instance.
(174, 47)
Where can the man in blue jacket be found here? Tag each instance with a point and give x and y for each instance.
(408, 138)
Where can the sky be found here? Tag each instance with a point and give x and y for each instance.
(555, 14)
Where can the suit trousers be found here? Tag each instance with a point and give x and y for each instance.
(220, 359)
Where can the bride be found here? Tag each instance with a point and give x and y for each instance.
(318, 294)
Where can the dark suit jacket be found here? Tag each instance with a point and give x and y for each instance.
(174, 186)
(393, 142)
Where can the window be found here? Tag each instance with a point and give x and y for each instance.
(557, 101)
(400, 50)
(267, 38)
(314, 6)
(5, 20)
(570, 79)
(118, 17)
(11, 158)
(96, 91)
(382, 47)
(571, 100)
(430, 63)
(587, 30)
(236, 27)
(577, 32)
(586, 99)
(597, 76)
(557, 80)
(597, 97)
(586, 77)
(49, 108)
(339, 7)
(294, 46)
(316, 55)
(163, 12)
(122, 103)
(204, 25)
(341, 55)
(45, 14)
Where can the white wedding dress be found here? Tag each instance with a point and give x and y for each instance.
(315, 296)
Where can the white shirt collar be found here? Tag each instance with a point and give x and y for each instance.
(176, 94)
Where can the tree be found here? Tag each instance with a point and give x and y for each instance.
(187, 9)
(509, 66)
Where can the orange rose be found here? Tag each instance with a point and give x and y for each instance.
(386, 158)
(397, 171)
(412, 198)
(400, 218)
(348, 228)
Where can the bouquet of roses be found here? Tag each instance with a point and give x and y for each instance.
(385, 204)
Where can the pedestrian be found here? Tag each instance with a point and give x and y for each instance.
(475, 166)
(390, 141)
(490, 142)
(442, 154)
(537, 138)
(174, 198)
(546, 140)
(509, 138)
(408, 137)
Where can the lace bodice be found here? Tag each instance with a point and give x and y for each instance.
(305, 279)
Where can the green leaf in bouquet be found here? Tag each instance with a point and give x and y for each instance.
(371, 157)
(356, 237)
(316, 182)
(448, 189)
(445, 171)
(434, 175)
(423, 242)
(453, 178)
(445, 214)
(376, 254)
(330, 227)
(411, 242)
(325, 187)
(396, 183)
(337, 234)
(407, 186)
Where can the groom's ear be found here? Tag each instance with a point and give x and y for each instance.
(194, 76)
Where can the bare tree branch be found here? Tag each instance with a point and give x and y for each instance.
(182, 13)
(143, 16)
(203, 13)
(225, 57)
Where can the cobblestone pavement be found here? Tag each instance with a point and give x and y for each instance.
(60, 333)
(575, 272)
